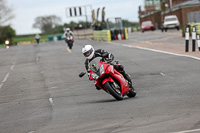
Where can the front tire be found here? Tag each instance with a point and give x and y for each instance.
(70, 44)
(116, 93)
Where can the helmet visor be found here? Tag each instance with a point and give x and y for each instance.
(88, 53)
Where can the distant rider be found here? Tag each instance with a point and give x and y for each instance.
(89, 52)
(37, 38)
(68, 35)
(68, 32)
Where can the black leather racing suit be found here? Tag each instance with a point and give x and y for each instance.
(119, 68)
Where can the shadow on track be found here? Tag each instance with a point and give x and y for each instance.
(105, 101)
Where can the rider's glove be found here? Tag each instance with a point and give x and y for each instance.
(110, 58)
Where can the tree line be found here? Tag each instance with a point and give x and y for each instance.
(46, 24)
(6, 31)
(51, 24)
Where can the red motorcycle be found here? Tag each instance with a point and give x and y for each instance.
(110, 80)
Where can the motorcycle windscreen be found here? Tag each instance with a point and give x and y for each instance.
(94, 64)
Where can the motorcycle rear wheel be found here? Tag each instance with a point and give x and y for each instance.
(113, 91)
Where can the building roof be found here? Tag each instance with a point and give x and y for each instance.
(187, 3)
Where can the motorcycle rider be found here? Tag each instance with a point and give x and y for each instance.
(89, 52)
(68, 33)
(37, 38)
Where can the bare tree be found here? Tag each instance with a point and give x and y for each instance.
(46, 23)
(5, 13)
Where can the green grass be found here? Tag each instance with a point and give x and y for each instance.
(30, 38)
(2, 45)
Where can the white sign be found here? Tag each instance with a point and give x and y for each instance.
(193, 35)
(198, 41)
(187, 36)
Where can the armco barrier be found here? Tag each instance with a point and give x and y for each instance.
(103, 35)
(55, 38)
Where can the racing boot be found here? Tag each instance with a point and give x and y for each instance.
(120, 69)
(128, 78)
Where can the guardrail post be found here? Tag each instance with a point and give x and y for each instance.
(198, 41)
(193, 39)
(187, 37)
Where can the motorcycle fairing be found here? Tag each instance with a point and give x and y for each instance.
(109, 70)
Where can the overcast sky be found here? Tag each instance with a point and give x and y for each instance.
(26, 11)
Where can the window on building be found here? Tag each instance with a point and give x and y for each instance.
(152, 2)
(149, 2)
(157, 2)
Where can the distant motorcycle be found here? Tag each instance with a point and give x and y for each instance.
(69, 40)
(110, 80)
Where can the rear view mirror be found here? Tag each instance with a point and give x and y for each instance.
(82, 74)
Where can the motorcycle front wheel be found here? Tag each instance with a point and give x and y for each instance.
(70, 44)
(114, 91)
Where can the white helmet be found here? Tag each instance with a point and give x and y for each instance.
(88, 51)
(68, 29)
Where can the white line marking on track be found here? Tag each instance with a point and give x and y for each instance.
(1, 85)
(162, 74)
(31, 132)
(51, 100)
(159, 51)
(12, 67)
(37, 59)
(188, 131)
(54, 87)
(7, 75)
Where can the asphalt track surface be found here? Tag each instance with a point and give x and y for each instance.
(40, 91)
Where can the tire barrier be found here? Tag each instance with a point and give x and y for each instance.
(119, 34)
(103, 35)
(108, 35)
